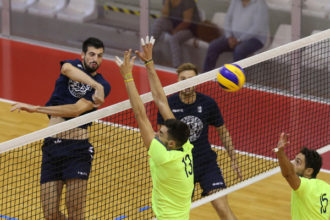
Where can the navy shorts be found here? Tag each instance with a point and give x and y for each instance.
(209, 176)
(64, 159)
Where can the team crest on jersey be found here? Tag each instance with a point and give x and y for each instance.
(195, 125)
(78, 89)
(199, 109)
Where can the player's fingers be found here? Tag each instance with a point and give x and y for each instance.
(133, 60)
(152, 40)
(118, 61)
(127, 56)
(147, 39)
(142, 42)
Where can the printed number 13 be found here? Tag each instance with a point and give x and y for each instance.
(187, 162)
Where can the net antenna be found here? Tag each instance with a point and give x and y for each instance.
(287, 90)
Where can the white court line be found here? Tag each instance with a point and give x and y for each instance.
(7, 101)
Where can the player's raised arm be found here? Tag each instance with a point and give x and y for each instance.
(144, 124)
(286, 166)
(155, 85)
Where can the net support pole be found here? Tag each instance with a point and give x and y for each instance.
(5, 17)
(296, 30)
(295, 78)
(296, 19)
(144, 28)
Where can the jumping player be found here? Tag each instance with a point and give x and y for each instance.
(171, 163)
(67, 156)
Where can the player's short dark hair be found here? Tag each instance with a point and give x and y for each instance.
(312, 160)
(92, 42)
(178, 131)
(187, 66)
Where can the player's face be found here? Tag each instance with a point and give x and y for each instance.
(186, 75)
(163, 137)
(299, 164)
(92, 59)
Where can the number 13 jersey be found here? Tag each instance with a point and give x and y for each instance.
(172, 179)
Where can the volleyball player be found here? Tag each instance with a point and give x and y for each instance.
(67, 156)
(310, 196)
(200, 111)
(171, 163)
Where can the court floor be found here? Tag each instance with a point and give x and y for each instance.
(120, 182)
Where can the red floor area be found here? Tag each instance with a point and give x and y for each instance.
(254, 118)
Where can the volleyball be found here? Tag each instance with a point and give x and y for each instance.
(231, 77)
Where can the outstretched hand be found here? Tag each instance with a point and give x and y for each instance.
(282, 142)
(126, 65)
(24, 107)
(147, 45)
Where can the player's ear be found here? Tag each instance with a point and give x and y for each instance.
(309, 171)
(82, 55)
(171, 144)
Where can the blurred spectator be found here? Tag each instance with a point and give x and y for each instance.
(179, 18)
(246, 29)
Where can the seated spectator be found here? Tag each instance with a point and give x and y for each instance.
(179, 18)
(246, 28)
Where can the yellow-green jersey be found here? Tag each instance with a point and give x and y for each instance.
(311, 200)
(172, 179)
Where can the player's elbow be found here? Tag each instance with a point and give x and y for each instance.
(65, 69)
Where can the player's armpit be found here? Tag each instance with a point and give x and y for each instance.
(293, 180)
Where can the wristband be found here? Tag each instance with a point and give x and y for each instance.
(148, 62)
(129, 80)
(128, 76)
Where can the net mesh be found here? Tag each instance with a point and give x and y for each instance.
(289, 92)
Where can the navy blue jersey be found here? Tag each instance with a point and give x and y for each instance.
(198, 116)
(68, 91)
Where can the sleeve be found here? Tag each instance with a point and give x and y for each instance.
(106, 86)
(73, 62)
(160, 119)
(215, 117)
(158, 152)
(260, 23)
(228, 19)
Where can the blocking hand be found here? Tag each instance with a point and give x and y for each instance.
(126, 65)
(147, 46)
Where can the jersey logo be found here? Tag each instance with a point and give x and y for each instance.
(82, 173)
(199, 109)
(195, 125)
(80, 66)
(57, 141)
(78, 89)
(177, 110)
(217, 184)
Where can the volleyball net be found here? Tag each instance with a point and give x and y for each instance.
(287, 90)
